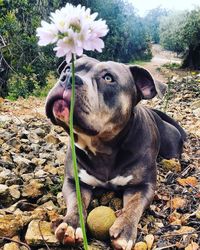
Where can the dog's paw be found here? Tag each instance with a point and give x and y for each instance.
(122, 234)
(67, 235)
(122, 244)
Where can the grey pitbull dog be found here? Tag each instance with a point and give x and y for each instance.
(117, 141)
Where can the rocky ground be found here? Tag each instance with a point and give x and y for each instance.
(31, 173)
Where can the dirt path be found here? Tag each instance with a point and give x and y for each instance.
(160, 57)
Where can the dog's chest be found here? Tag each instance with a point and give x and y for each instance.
(94, 182)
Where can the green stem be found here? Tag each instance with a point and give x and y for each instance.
(77, 184)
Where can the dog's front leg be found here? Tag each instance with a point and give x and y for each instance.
(68, 231)
(123, 232)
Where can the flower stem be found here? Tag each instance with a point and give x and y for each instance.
(77, 184)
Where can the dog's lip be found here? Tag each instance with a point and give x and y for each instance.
(62, 94)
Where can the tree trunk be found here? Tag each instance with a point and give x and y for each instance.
(192, 58)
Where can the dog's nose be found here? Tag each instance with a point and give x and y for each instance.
(78, 81)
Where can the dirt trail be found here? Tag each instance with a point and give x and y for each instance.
(160, 57)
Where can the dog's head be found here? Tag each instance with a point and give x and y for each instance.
(105, 94)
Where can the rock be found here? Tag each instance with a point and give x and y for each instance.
(4, 191)
(99, 221)
(40, 174)
(38, 161)
(140, 246)
(106, 198)
(33, 189)
(27, 177)
(116, 204)
(171, 165)
(196, 112)
(50, 169)
(40, 132)
(24, 165)
(5, 174)
(94, 203)
(10, 225)
(14, 181)
(60, 200)
(45, 198)
(50, 138)
(33, 235)
(14, 192)
(33, 138)
(49, 205)
(12, 245)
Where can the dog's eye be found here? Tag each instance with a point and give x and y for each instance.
(108, 78)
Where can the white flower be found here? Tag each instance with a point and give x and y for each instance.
(48, 33)
(73, 29)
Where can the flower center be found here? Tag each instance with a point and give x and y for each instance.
(75, 25)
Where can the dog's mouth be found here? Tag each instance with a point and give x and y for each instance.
(58, 111)
(58, 105)
(61, 107)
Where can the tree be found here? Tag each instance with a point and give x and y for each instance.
(180, 32)
(170, 31)
(27, 65)
(152, 22)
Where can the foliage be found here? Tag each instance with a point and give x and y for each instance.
(25, 67)
(152, 23)
(180, 32)
(171, 29)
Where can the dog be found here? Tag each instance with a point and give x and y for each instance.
(117, 141)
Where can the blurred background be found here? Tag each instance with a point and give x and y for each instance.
(135, 25)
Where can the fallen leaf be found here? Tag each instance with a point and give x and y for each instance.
(192, 246)
(197, 214)
(149, 240)
(140, 246)
(191, 181)
(185, 230)
(174, 216)
(172, 165)
(178, 202)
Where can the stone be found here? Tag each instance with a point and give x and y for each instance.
(3, 190)
(38, 161)
(50, 138)
(10, 225)
(140, 246)
(99, 221)
(35, 229)
(116, 204)
(33, 138)
(49, 205)
(60, 200)
(14, 192)
(171, 165)
(12, 245)
(196, 112)
(50, 169)
(27, 177)
(106, 198)
(33, 189)
(5, 174)
(40, 174)
(40, 132)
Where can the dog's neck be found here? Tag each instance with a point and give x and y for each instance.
(103, 144)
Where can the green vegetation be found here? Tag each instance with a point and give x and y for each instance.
(180, 32)
(25, 66)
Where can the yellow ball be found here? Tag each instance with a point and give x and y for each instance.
(99, 221)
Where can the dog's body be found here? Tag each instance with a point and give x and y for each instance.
(117, 141)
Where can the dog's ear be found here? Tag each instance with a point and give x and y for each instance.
(145, 83)
(61, 67)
